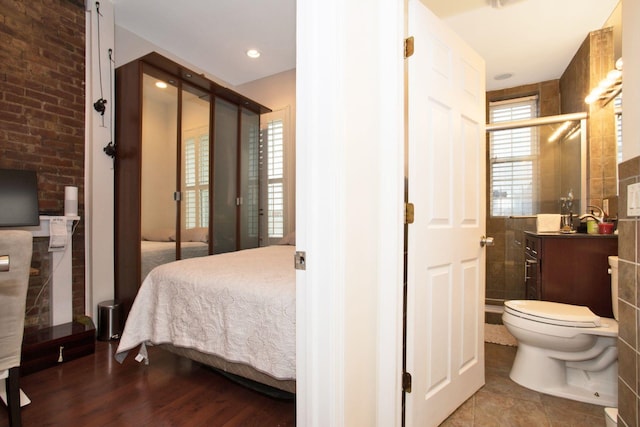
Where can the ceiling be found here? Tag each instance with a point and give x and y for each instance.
(533, 40)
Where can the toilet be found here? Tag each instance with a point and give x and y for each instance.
(566, 350)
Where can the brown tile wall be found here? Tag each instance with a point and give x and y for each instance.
(594, 59)
(42, 103)
(504, 275)
(628, 300)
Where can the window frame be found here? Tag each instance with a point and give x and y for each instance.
(522, 157)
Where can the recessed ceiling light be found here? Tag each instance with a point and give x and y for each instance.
(161, 85)
(253, 53)
(503, 76)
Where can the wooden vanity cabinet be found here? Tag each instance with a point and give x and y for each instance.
(570, 268)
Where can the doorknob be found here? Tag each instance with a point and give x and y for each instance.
(486, 241)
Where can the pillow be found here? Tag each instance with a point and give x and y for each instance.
(159, 235)
(289, 239)
(198, 234)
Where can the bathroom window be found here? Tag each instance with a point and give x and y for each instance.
(617, 108)
(513, 158)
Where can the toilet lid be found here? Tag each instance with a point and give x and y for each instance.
(554, 313)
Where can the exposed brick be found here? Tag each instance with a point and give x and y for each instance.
(42, 120)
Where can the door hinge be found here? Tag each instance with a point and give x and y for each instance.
(406, 382)
(177, 196)
(408, 47)
(409, 215)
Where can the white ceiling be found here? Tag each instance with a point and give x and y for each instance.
(533, 39)
(214, 35)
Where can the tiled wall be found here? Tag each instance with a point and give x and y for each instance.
(505, 279)
(629, 301)
(589, 66)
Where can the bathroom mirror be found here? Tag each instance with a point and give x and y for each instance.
(537, 166)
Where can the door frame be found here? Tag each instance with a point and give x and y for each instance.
(349, 206)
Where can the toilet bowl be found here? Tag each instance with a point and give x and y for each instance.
(565, 350)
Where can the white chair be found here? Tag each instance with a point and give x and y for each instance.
(15, 262)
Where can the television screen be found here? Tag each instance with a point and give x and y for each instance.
(18, 198)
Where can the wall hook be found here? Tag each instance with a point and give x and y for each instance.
(110, 150)
(100, 106)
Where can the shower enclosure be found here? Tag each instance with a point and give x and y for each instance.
(554, 181)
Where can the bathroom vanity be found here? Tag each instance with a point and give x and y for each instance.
(570, 268)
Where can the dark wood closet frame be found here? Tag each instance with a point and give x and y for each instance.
(128, 162)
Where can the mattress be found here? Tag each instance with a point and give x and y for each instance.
(239, 306)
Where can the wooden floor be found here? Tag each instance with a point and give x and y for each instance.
(96, 390)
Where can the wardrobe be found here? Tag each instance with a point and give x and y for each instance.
(186, 169)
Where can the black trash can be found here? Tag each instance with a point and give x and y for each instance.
(109, 320)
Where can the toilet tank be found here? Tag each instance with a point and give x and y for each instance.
(613, 270)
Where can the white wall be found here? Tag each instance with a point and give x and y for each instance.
(631, 77)
(99, 195)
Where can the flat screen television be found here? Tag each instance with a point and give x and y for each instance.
(18, 198)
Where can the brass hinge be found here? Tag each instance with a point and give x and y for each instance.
(409, 215)
(408, 47)
(406, 382)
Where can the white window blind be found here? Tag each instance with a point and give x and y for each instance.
(253, 182)
(275, 178)
(513, 159)
(617, 107)
(195, 166)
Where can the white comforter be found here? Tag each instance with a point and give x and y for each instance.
(239, 305)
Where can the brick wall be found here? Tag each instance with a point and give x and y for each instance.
(42, 123)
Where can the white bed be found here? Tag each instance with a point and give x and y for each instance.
(154, 253)
(234, 311)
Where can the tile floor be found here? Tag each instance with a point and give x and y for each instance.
(501, 402)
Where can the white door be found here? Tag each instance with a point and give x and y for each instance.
(446, 183)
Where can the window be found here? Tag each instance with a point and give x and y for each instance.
(195, 198)
(617, 108)
(276, 177)
(513, 159)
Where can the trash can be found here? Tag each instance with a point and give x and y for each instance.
(109, 320)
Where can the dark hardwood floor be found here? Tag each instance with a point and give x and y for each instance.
(96, 390)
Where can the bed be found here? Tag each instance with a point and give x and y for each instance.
(233, 311)
(154, 253)
(158, 246)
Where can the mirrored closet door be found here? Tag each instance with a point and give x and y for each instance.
(186, 169)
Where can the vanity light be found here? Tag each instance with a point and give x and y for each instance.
(161, 85)
(609, 87)
(253, 53)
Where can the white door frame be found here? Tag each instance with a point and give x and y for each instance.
(349, 211)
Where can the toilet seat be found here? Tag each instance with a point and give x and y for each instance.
(553, 313)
